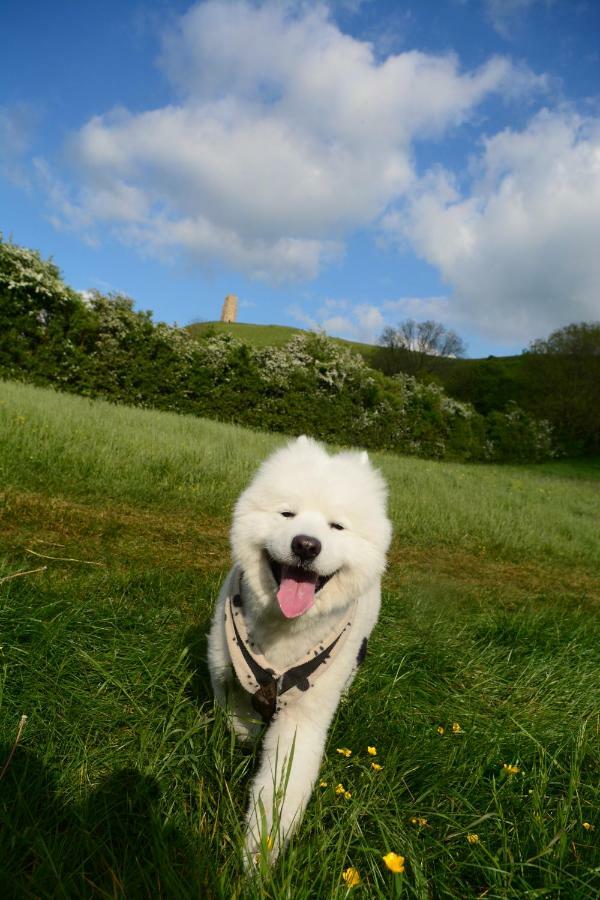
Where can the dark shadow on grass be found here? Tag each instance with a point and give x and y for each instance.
(115, 844)
(200, 689)
(195, 640)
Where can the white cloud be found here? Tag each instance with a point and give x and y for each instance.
(18, 123)
(419, 308)
(362, 322)
(304, 318)
(65, 212)
(287, 135)
(365, 321)
(505, 14)
(275, 259)
(352, 6)
(521, 249)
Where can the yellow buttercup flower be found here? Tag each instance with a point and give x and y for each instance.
(351, 877)
(418, 820)
(456, 728)
(344, 751)
(347, 795)
(322, 784)
(473, 838)
(441, 730)
(372, 751)
(510, 770)
(376, 767)
(394, 862)
(340, 789)
(587, 826)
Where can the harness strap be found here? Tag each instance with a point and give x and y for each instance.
(253, 671)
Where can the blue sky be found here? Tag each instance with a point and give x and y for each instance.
(343, 165)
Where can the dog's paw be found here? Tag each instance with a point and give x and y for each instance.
(259, 852)
(246, 732)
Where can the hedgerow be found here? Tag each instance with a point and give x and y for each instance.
(100, 346)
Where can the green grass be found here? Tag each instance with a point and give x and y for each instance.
(265, 335)
(125, 781)
(278, 335)
(257, 335)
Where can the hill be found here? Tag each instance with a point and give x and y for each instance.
(277, 335)
(123, 780)
(560, 387)
(103, 346)
(265, 335)
(489, 383)
(256, 335)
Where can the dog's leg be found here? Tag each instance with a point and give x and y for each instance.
(243, 720)
(241, 717)
(292, 753)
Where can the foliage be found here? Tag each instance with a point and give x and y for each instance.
(422, 340)
(101, 346)
(564, 373)
(580, 340)
(489, 384)
(37, 314)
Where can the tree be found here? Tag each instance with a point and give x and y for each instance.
(580, 339)
(564, 383)
(36, 308)
(422, 340)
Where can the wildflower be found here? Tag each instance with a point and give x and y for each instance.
(269, 843)
(347, 795)
(372, 751)
(376, 767)
(440, 729)
(340, 789)
(418, 820)
(394, 862)
(322, 784)
(456, 728)
(344, 751)
(473, 838)
(510, 770)
(587, 826)
(351, 877)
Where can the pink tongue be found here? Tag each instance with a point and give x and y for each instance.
(296, 592)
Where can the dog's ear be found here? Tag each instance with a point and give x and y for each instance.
(364, 458)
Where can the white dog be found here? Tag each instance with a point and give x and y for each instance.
(309, 540)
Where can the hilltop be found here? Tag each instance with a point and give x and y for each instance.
(266, 335)
(488, 382)
(286, 379)
(556, 380)
(278, 335)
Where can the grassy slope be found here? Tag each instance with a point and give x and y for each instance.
(264, 335)
(257, 335)
(278, 335)
(126, 783)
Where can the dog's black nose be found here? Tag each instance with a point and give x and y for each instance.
(306, 547)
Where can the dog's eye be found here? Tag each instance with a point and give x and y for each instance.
(288, 514)
(337, 526)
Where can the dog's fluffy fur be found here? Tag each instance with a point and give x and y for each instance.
(341, 501)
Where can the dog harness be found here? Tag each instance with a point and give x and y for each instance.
(270, 688)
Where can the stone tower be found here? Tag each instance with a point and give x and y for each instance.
(229, 311)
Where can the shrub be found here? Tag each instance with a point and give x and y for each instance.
(103, 347)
